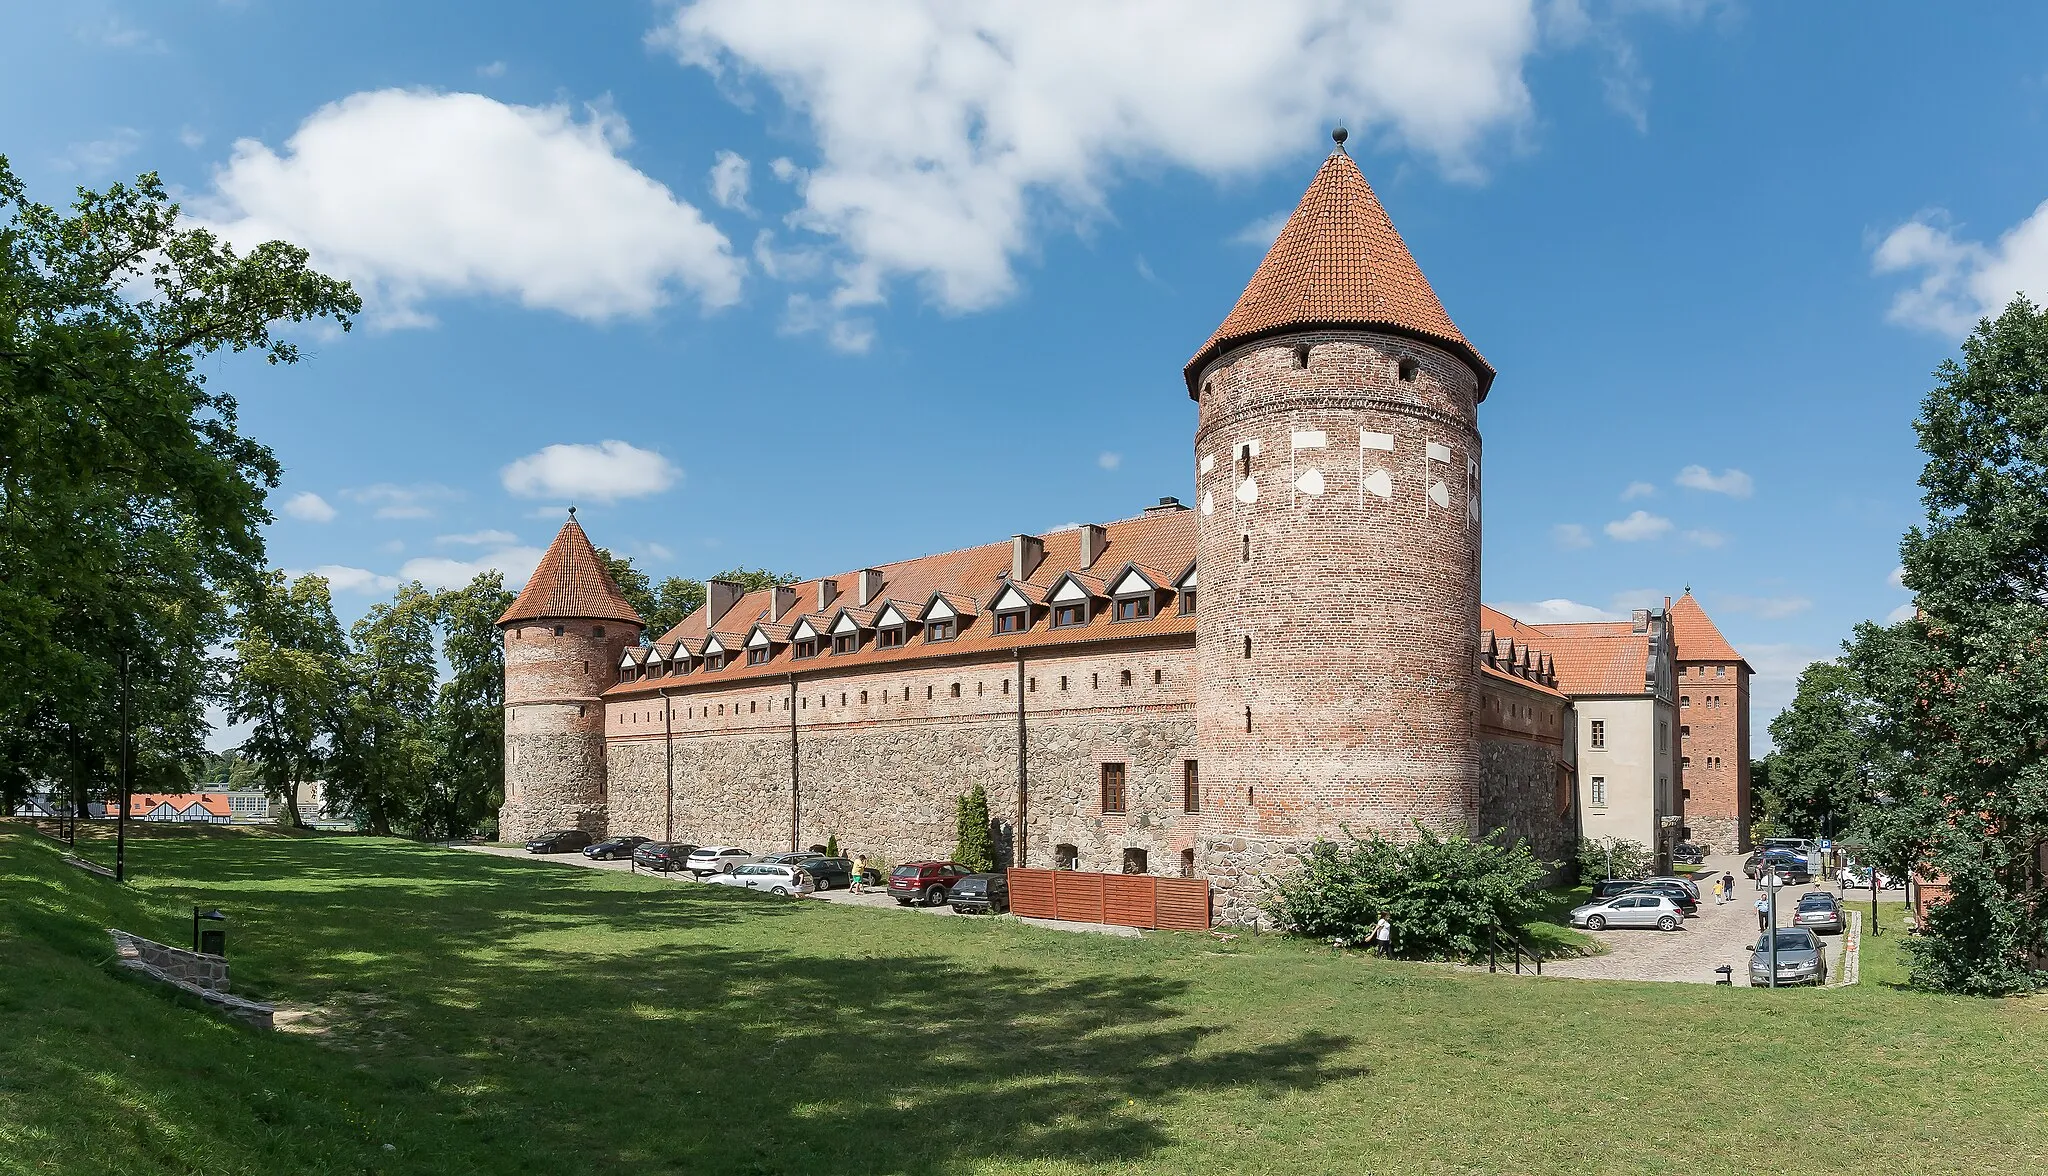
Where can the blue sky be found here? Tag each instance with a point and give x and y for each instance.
(816, 287)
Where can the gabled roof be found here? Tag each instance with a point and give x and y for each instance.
(570, 584)
(1694, 637)
(1596, 657)
(1339, 262)
(1153, 580)
(1089, 586)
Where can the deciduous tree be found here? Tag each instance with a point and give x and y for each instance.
(286, 681)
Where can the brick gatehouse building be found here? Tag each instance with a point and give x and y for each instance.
(1327, 668)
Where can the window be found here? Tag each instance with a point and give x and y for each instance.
(846, 643)
(1065, 857)
(808, 647)
(1408, 369)
(889, 638)
(941, 631)
(1190, 788)
(956, 689)
(715, 661)
(1187, 601)
(1598, 737)
(1112, 788)
(558, 630)
(1187, 863)
(1247, 556)
(1247, 646)
(1247, 720)
(1301, 356)
(597, 631)
(1134, 861)
(1684, 701)
(1685, 761)
(1663, 735)
(1063, 681)
(1244, 461)
(1068, 615)
(1720, 671)
(1127, 678)
(1685, 732)
(1010, 622)
(863, 698)
(1133, 608)
(1599, 792)
(757, 656)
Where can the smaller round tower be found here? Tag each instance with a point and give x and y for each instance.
(564, 636)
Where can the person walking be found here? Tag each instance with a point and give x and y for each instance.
(1383, 937)
(1763, 914)
(860, 874)
(1727, 887)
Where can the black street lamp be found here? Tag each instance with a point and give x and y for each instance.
(127, 780)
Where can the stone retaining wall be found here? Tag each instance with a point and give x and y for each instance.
(203, 976)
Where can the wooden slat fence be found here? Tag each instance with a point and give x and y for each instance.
(1126, 900)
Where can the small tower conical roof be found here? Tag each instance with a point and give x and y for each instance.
(570, 582)
(1339, 262)
(1696, 636)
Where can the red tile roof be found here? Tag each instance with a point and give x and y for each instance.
(570, 582)
(970, 576)
(1694, 636)
(1592, 657)
(1339, 262)
(144, 802)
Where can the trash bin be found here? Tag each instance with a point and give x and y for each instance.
(1726, 972)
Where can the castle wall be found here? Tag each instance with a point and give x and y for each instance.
(1359, 594)
(1526, 753)
(554, 724)
(1714, 722)
(882, 753)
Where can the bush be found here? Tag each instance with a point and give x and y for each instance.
(1632, 859)
(1440, 893)
(976, 849)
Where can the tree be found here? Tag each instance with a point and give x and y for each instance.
(386, 751)
(1613, 857)
(128, 497)
(1822, 774)
(286, 681)
(469, 711)
(1958, 688)
(976, 848)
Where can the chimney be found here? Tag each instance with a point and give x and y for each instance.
(1641, 620)
(1094, 538)
(783, 603)
(1167, 505)
(828, 591)
(719, 597)
(870, 586)
(1026, 553)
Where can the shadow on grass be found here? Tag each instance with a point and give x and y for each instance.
(485, 1011)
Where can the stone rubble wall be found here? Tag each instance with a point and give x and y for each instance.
(1519, 792)
(203, 976)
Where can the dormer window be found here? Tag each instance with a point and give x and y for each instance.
(807, 647)
(941, 630)
(757, 656)
(1187, 601)
(846, 643)
(1133, 608)
(1068, 615)
(889, 638)
(1011, 622)
(1132, 596)
(714, 661)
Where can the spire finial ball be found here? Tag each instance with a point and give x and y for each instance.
(1339, 135)
(572, 512)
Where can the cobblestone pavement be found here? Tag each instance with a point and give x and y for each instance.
(1722, 933)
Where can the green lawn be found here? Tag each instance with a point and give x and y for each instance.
(495, 1015)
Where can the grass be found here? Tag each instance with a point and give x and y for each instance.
(492, 1015)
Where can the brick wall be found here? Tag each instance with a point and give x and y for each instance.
(1714, 711)
(554, 723)
(1360, 691)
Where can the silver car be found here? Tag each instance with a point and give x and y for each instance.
(1800, 959)
(1630, 910)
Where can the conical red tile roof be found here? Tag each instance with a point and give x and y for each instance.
(1694, 636)
(1339, 262)
(570, 582)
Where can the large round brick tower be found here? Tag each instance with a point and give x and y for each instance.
(1337, 472)
(563, 640)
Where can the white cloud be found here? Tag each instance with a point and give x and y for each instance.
(1570, 536)
(1108, 460)
(393, 501)
(495, 69)
(1703, 538)
(1263, 231)
(731, 177)
(1962, 281)
(414, 194)
(391, 546)
(342, 578)
(192, 137)
(804, 315)
(517, 563)
(948, 134)
(1637, 527)
(112, 32)
(1898, 577)
(1554, 611)
(605, 472)
(1733, 483)
(785, 169)
(478, 539)
(1770, 608)
(1637, 490)
(1904, 612)
(309, 507)
(97, 156)
(1630, 599)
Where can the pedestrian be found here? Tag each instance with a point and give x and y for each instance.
(1383, 937)
(860, 874)
(1763, 914)
(1727, 887)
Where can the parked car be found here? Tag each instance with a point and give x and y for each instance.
(1690, 854)
(614, 849)
(663, 856)
(1819, 912)
(1801, 959)
(1688, 885)
(719, 859)
(980, 894)
(925, 882)
(1853, 877)
(1636, 909)
(560, 841)
(785, 859)
(1609, 887)
(1782, 862)
(1803, 846)
(773, 879)
(1680, 897)
(830, 873)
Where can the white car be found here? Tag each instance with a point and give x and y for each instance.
(774, 879)
(1688, 885)
(718, 859)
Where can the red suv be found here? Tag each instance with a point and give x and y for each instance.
(925, 882)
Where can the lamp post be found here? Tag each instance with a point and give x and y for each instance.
(1873, 900)
(1771, 882)
(127, 780)
(216, 939)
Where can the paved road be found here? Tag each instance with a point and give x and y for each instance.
(1721, 934)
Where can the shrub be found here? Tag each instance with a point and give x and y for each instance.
(832, 846)
(1441, 893)
(976, 849)
(1632, 859)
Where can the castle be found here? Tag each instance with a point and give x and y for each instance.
(1330, 666)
